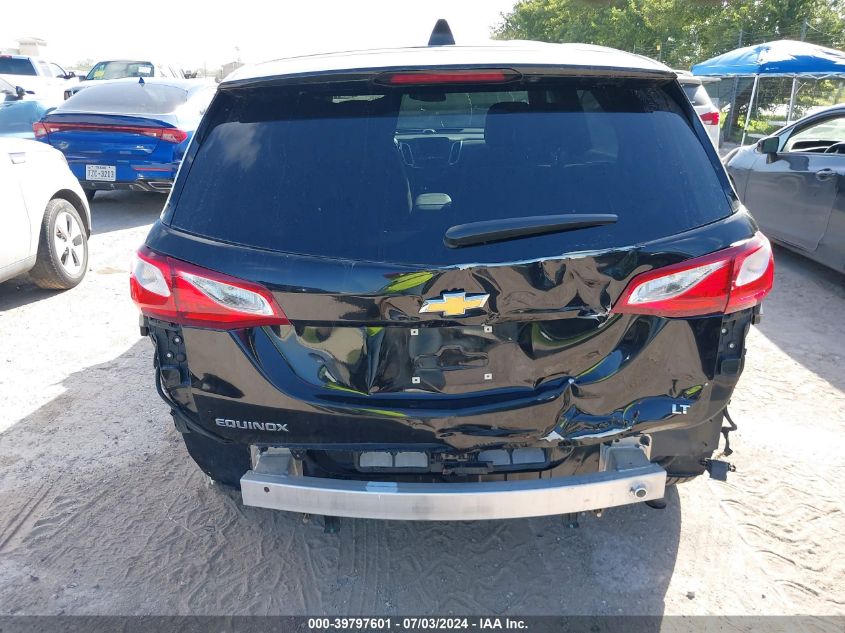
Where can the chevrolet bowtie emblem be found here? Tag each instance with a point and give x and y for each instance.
(454, 303)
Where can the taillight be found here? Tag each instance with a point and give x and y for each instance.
(722, 282)
(173, 135)
(166, 134)
(434, 77)
(710, 118)
(172, 290)
(39, 129)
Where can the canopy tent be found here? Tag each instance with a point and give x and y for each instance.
(782, 58)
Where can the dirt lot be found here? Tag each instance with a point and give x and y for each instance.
(103, 513)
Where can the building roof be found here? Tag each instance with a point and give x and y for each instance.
(511, 53)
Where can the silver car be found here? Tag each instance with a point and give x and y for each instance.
(794, 184)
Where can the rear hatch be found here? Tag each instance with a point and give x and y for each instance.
(418, 231)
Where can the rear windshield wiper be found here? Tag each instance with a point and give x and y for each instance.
(513, 228)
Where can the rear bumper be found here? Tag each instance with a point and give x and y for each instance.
(160, 186)
(626, 477)
(153, 176)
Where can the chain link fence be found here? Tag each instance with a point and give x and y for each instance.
(771, 104)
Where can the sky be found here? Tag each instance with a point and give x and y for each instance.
(192, 33)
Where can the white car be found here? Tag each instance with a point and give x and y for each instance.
(707, 111)
(46, 80)
(46, 217)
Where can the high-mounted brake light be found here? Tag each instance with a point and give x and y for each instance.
(172, 290)
(723, 282)
(435, 77)
(710, 118)
(166, 134)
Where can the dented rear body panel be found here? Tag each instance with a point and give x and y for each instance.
(544, 362)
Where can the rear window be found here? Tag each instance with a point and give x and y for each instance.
(16, 66)
(126, 97)
(382, 174)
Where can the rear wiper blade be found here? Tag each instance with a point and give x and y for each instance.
(513, 228)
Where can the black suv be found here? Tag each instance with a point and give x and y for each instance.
(451, 283)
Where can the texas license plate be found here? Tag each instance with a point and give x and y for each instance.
(100, 172)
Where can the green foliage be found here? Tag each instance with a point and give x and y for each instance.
(679, 32)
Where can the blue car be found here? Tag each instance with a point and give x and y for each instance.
(127, 134)
(18, 112)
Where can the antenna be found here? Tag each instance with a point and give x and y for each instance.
(441, 35)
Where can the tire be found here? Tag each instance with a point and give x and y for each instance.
(62, 248)
(90, 193)
(224, 463)
(672, 480)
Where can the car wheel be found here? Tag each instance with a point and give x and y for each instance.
(62, 248)
(672, 480)
(224, 463)
(90, 193)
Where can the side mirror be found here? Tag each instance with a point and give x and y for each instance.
(768, 145)
(20, 92)
(70, 75)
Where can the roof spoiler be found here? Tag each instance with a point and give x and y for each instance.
(441, 35)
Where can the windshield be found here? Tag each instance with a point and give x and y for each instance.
(16, 66)
(383, 175)
(119, 70)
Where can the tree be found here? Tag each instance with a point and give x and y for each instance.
(678, 32)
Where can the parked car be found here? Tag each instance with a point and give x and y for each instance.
(123, 68)
(127, 134)
(46, 80)
(451, 282)
(707, 111)
(46, 219)
(18, 111)
(8, 91)
(794, 183)
(17, 117)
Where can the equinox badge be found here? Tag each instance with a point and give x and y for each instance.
(454, 303)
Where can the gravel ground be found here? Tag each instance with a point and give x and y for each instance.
(104, 513)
